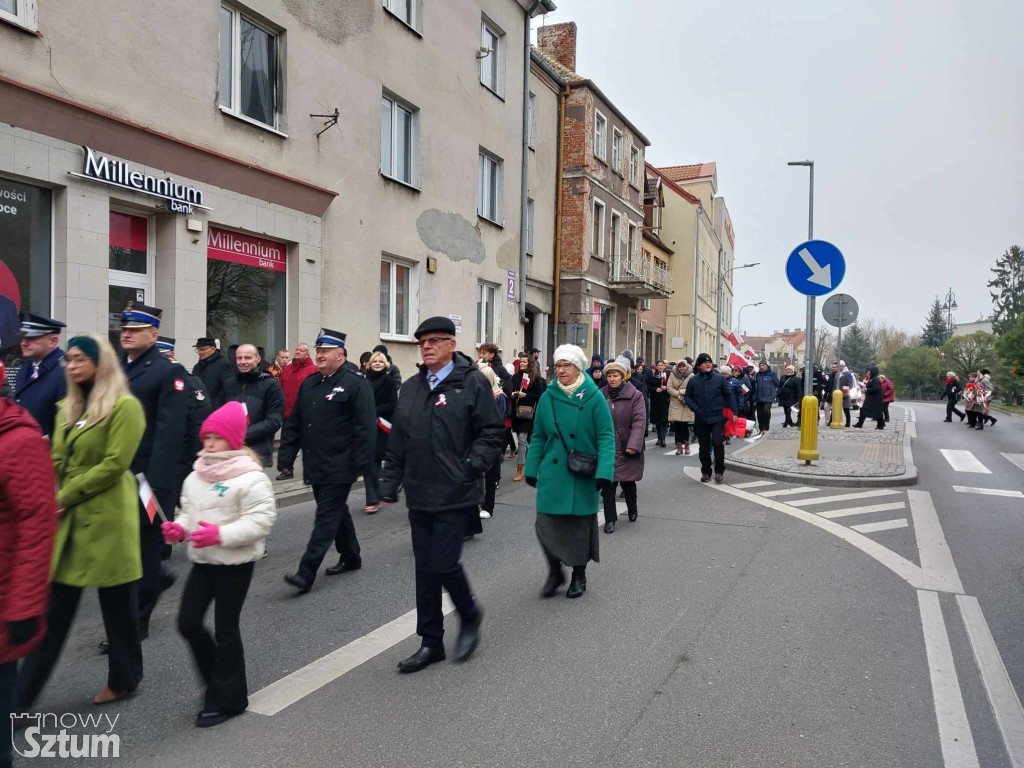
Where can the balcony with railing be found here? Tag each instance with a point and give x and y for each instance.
(639, 275)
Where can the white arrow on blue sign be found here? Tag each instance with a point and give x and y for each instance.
(815, 268)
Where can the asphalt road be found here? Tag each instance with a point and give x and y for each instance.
(723, 628)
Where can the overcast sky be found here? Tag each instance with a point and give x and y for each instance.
(913, 112)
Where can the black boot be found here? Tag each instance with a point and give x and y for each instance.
(555, 579)
(578, 585)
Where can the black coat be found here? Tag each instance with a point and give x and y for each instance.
(264, 400)
(385, 397)
(639, 382)
(158, 384)
(791, 389)
(502, 374)
(215, 371)
(872, 405)
(707, 395)
(534, 390)
(198, 408)
(40, 396)
(443, 440)
(952, 391)
(333, 422)
(659, 400)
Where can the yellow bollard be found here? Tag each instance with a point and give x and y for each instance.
(837, 410)
(808, 429)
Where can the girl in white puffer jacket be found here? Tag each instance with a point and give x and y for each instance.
(227, 510)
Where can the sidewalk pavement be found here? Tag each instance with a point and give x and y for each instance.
(849, 457)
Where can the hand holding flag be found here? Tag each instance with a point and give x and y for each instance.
(148, 498)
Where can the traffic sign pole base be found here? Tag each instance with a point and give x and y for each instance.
(808, 430)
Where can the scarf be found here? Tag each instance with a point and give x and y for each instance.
(613, 392)
(571, 389)
(224, 465)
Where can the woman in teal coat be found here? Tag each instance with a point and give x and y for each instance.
(572, 415)
(99, 426)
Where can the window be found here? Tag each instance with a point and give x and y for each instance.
(604, 328)
(597, 238)
(635, 168)
(25, 265)
(489, 193)
(634, 239)
(404, 10)
(129, 258)
(21, 13)
(486, 309)
(249, 67)
(395, 297)
(492, 57)
(615, 235)
(533, 119)
(617, 152)
(600, 136)
(399, 140)
(529, 226)
(655, 216)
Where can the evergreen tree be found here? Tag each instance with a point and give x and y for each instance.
(1007, 290)
(858, 350)
(935, 332)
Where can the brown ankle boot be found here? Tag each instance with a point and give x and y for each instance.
(679, 448)
(106, 696)
(519, 473)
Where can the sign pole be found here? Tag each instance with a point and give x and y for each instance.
(809, 427)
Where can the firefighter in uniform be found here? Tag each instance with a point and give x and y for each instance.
(333, 421)
(41, 383)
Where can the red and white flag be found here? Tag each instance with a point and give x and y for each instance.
(735, 339)
(148, 498)
(526, 383)
(384, 424)
(736, 359)
(245, 410)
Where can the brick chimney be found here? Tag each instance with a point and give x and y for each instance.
(559, 42)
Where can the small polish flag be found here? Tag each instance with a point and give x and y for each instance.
(148, 499)
(384, 424)
(526, 382)
(245, 410)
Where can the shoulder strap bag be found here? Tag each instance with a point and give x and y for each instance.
(579, 463)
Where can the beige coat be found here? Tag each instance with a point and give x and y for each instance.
(677, 409)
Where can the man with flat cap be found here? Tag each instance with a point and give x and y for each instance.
(445, 433)
(41, 383)
(159, 385)
(214, 369)
(334, 422)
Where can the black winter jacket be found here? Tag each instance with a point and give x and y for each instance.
(215, 371)
(707, 395)
(199, 407)
(264, 399)
(334, 423)
(443, 440)
(791, 389)
(385, 397)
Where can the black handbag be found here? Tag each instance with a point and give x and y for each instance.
(579, 463)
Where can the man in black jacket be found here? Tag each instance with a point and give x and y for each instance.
(445, 433)
(263, 398)
(707, 395)
(334, 422)
(198, 409)
(214, 369)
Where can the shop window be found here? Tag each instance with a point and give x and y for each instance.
(130, 276)
(25, 257)
(249, 67)
(396, 315)
(246, 289)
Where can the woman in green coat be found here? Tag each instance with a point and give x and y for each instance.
(99, 426)
(572, 415)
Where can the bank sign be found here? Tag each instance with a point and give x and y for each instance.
(181, 198)
(237, 248)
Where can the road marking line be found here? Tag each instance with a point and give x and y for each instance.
(954, 729)
(964, 461)
(1005, 703)
(882, 525)
(843, 497)
(1015, 458)
(891, 506)
(787, 492)
(937, 566)
(988, 491)
(899, 565)
(910, 430)
(302, 682)
(754, 484)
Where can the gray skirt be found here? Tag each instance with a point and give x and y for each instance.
(573, 539)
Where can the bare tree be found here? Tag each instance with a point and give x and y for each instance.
(824, 347)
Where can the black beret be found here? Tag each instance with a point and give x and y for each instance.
(436, 324)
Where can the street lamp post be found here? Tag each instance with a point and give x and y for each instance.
(949, 306)
(739, 314)
(718, 309)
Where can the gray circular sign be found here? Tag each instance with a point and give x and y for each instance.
(840, 310)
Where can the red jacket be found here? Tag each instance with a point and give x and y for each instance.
(28, 521)
(888, 391)
(292, 375)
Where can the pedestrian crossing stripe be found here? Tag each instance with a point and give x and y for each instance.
(988, 492)
(964, 461)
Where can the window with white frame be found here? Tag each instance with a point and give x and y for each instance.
(492, 57)
(529, 226)
(600, 136)
(533, 119)
(617, 152)
(396, 296)
(604, 328)
(489, 192)
(635, 168)
(597, 235)
(399, 140)
(615, 235)
(404, 10)
(21, 13)
(486, 312)
(249, 68)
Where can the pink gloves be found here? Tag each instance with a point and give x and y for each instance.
(208, 535)
(172, 532)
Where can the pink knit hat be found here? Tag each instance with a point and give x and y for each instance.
(228, 422)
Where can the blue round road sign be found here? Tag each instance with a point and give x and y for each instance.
(815, 268)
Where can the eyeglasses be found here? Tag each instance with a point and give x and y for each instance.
(433, 341)
(563, 366)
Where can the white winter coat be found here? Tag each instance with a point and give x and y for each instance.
(242, 506)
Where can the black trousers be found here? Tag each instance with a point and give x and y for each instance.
(151, 546)
(437, 547)
(662, 428)
(333, 523)
(972, 418)
(951, 409)
(371, 477)
(681, 429)
(608, 496)
(119, 606)
(788, 414)
(885, 411)
(510, 441)
(491, 479)
(220, 657)
(711, 436)
(764, 416)
(880, 422)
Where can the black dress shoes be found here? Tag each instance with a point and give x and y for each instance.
(555, 579)
(577, 586)
(633, 516)
(210, 717)
(705, 478)
(298, 582)
(469, 637)
(422, 659)
(609, 527)
(344, 566)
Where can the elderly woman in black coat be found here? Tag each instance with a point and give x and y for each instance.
(872, 407)
(385, 395)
